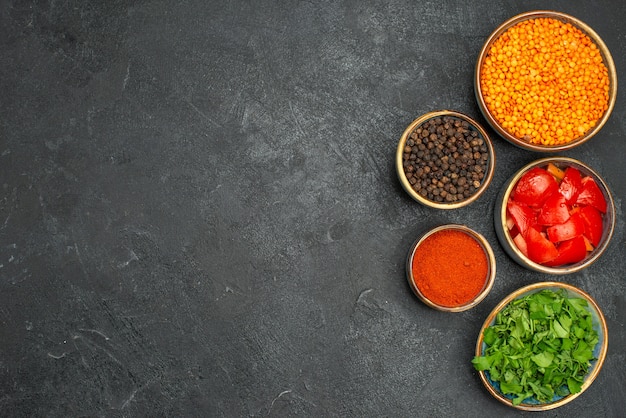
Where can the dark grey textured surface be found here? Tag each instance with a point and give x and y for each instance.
(199, 214)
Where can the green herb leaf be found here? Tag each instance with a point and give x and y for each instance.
(559, 330)
(582, 353)
(513, 388)
(543, 359)
(490, 335)
(481, 363)
(574, 385)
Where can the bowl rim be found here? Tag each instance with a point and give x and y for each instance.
(607, 59)
(596, 253)
(491, 263)
(491, 163)
(591, 376)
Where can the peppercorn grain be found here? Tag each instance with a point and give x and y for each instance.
(445, 159)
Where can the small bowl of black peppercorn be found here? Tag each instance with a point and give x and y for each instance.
(445, 159)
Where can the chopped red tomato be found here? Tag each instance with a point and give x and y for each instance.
(592, 220)
(510, 223)
(571, 185)
(540, 249)
(554, 211)
(522, 215)
(570, 251)
(520, 242)
(573, 227)
(591, 195)
(534, 187)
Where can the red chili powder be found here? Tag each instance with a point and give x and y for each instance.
(450, 268)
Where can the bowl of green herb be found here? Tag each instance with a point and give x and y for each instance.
(542, 346)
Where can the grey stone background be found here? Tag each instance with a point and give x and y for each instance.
(199, 213)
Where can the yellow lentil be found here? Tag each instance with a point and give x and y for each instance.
(544, 81)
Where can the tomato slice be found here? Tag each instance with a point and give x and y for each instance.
(591, 195)
(592, 219)
(523, 216)
(573, 227)
(540, 249)
(520, 242)
(554, 210)
(571, 185)
(534, 187)
(570, 251)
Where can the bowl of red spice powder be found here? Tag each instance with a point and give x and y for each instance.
(451, 268)
(555, 215)
(545, 81)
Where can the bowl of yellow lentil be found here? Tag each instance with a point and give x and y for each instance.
(545, 81)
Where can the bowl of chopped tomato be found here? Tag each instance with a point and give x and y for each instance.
(555, 215)
(545, 81)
